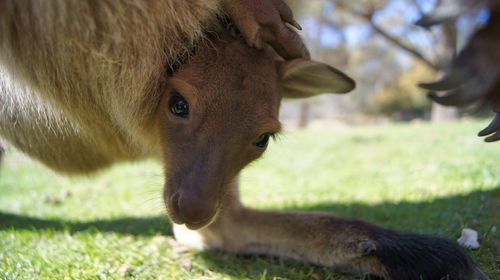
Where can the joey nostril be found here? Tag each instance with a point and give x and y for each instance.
(195, 209)
(173, 208)
(174, 201)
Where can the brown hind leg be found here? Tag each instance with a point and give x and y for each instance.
(325, 239)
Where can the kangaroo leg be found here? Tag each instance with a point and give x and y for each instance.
(325, 239)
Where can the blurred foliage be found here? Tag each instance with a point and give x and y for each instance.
(377, 43)
(403, 100)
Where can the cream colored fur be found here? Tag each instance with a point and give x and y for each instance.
(56, 64)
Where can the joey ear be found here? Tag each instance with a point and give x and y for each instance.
(302, 78)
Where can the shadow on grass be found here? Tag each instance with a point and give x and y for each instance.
(435, 216)
(147, 226)
(443, 216)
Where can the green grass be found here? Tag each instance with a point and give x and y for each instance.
(423, 178)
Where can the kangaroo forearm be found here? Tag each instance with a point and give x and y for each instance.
(350, 245)
(315, 237)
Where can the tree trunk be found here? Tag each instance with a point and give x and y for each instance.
(441, 113)
(1, 154)
(303, 115)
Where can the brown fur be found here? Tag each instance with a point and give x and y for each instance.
(80, 87)
(84, 84)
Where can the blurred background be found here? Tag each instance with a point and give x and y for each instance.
(377, 43)
(423, 178)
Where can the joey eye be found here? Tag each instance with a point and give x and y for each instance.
(263, 140)
(179, 106)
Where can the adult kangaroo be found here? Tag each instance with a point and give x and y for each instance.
(473, 77)
(87, 84)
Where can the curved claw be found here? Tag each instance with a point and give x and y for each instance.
(452, 80)
(493, 138)
(494, 126)
(295, 24)
(453, 98)
(267, 22)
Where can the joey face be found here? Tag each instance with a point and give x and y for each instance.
(217, 114)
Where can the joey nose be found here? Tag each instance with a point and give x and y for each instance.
(196, 209)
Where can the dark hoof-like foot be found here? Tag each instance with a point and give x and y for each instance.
(421, 257)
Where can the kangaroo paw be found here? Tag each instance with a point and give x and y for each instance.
(267, 22)
(412, 256)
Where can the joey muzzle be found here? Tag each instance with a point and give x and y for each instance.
(194, 206)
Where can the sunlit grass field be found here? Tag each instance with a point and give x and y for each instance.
(434, 179)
